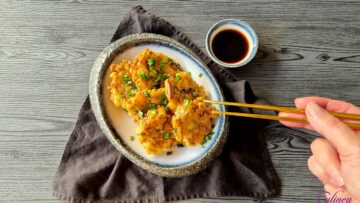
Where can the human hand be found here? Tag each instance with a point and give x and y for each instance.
(336, 157)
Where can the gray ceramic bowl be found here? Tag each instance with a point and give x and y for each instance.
(118, 127)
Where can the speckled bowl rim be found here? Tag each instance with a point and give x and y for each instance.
(95, 92)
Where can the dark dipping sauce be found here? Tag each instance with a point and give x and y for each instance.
(230, 46)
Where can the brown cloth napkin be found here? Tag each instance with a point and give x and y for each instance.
(92, 170)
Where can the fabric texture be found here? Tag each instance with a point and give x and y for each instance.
(92, 170)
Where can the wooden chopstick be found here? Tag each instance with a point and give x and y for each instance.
(277, 118)
(280, 108)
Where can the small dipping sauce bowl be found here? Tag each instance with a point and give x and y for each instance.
(231, 43)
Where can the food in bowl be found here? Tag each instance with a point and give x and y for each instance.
(165, 101)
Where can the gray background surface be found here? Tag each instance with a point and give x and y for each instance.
(47, 49)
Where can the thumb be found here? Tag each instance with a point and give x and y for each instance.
(343, 138)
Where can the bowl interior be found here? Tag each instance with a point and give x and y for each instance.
(123, 124)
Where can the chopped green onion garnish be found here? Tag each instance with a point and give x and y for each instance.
(200, 75)
(126, 79)
(179, 145)
(153, 71)
(132, 138)
(161, 77)
(148, 93)
(207, 138)
(132, 93)
(144, 75)
(166, 135)
(161, 63)
(151, 61)
(164, 100)
(152, 106)
(177, 78)
(169, 153)
(186, 102)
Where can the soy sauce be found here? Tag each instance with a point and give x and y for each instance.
(230, 46)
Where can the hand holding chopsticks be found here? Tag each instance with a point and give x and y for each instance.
(355, 117)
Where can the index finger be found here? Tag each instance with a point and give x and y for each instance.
(328, 104)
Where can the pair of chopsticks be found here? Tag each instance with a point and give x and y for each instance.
(355, 117)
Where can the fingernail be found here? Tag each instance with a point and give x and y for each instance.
(299, 99)
(336, 179)
(283, 114)
(315, 110)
